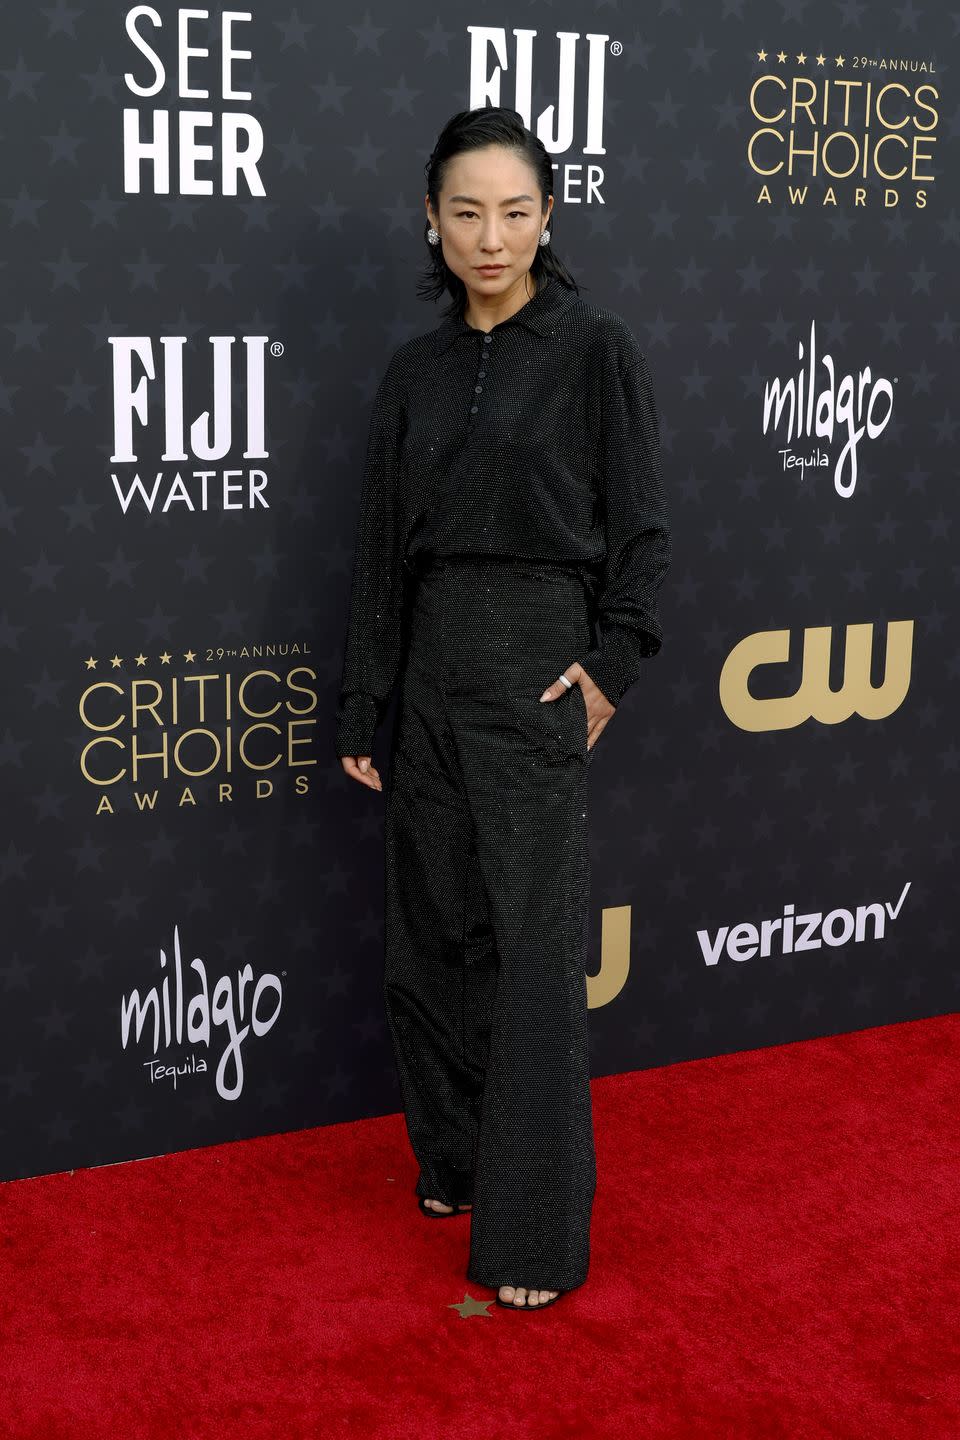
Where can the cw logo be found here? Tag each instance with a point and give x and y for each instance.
(614, 957)
(813, 698)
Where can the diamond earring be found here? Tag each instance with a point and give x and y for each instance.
(545, 238)
(433, 236)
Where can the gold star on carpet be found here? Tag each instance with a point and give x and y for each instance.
(821, 59)
(90, 663)
(190, 656)
(165, 658)
(801, 58)
(761, 54)
(141, 659)
(116, 662)
(468, 1306)
(839, 59)
(782, 56)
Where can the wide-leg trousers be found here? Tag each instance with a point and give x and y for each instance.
(487, 886)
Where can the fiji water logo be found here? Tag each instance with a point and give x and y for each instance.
(182, 1011)
(809, 406)
(151, 422)
(562, 64)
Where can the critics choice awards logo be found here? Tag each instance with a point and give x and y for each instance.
(197, 728)
(862, 127)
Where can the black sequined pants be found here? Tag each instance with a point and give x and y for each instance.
(487, 881)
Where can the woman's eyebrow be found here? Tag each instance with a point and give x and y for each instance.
(471, 200)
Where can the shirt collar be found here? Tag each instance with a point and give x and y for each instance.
(539, 315)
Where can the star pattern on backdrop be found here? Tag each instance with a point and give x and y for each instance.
(696, 825)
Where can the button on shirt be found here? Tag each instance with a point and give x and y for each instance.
(538, 440)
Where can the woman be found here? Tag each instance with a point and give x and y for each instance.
(512, 539)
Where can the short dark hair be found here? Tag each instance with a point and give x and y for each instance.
(475, 130)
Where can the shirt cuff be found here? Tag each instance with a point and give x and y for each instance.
(356, 724)
(615, 664)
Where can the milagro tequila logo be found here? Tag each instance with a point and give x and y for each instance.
(145, 433)
(575, 122)
(852, 406)
(237, 1006)
(199, 148)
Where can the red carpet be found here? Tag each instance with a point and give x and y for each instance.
(775, 1253)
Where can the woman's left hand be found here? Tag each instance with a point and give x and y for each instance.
(599, 709)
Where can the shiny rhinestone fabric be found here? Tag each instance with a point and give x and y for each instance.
(512, 520)
(537, 441)
(487, 881)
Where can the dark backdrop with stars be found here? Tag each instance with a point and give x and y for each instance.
(697, 823)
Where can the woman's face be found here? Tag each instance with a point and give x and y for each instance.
(489, 215)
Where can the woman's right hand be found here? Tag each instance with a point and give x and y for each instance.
(359, 767)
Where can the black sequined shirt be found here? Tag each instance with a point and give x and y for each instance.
(536, 440)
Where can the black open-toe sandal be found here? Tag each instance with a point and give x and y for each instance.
(442, 1214)
(541, 1305)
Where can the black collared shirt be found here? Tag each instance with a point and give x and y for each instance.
(538, 440)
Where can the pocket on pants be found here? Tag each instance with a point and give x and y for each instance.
(564, 724)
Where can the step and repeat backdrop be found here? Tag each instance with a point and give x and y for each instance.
(215, 224)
